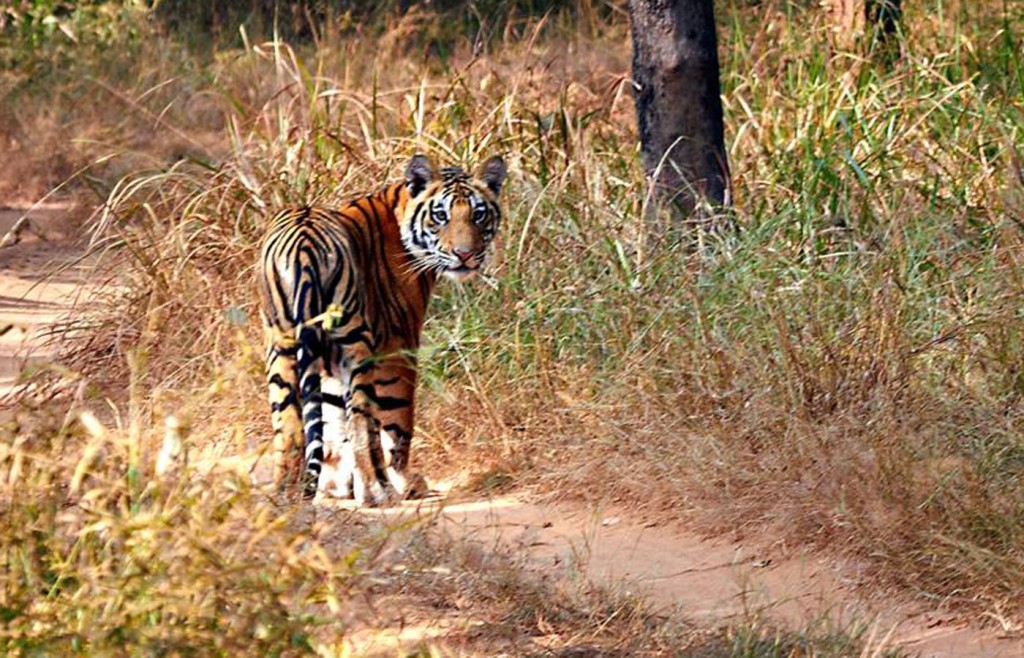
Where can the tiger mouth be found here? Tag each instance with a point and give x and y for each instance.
(462, 272)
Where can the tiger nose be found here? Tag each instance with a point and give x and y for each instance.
(463, 254)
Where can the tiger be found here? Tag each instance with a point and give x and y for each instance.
(344, 293)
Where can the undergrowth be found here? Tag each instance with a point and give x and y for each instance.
(101, 556)
(846, 368)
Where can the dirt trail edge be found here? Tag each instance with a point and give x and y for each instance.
(710, 581)
(31, 297)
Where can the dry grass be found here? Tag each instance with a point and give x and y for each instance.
(846, 368)
(101, 556)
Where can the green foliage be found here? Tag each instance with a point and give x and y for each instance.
(847, 366)
(754, 640)
(184, 566)
(44, 36)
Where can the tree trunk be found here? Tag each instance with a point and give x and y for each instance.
(875, 20)
(885, 16)
(678, 100)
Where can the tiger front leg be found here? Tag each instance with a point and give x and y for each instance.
(369, 476)
(354, 463)
(395, 388)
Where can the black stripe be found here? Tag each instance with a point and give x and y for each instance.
(388, 403)
(289, 400)
(334, 400)
(397, 431)
(277, 380)
(365, 388)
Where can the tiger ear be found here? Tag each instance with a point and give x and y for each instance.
(418, 174)
(493, 173)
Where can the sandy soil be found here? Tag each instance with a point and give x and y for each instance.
(39, 280)
(705, 579)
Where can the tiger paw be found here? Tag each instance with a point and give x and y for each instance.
(381, 495)
(335, 488)
(336, 481)
(418, 487)
(408, 485)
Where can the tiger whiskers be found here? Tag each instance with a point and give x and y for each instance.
(430, 263)
(418, 266)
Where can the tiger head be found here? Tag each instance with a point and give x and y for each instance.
(451, 217)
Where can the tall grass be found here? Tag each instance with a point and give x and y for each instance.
(95, 562)
(846, 369)
(100, 558)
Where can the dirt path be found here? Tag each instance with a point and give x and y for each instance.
(31, 297)
(705, 580)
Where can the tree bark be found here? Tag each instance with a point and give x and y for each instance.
(885, 16)
(877, 21)
(678, 100)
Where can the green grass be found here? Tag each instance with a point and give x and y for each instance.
(844, 369)
(117, 561)
(105, 566)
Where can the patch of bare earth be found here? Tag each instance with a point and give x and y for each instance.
(41, 277)
(708, 581)
(705, 580)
